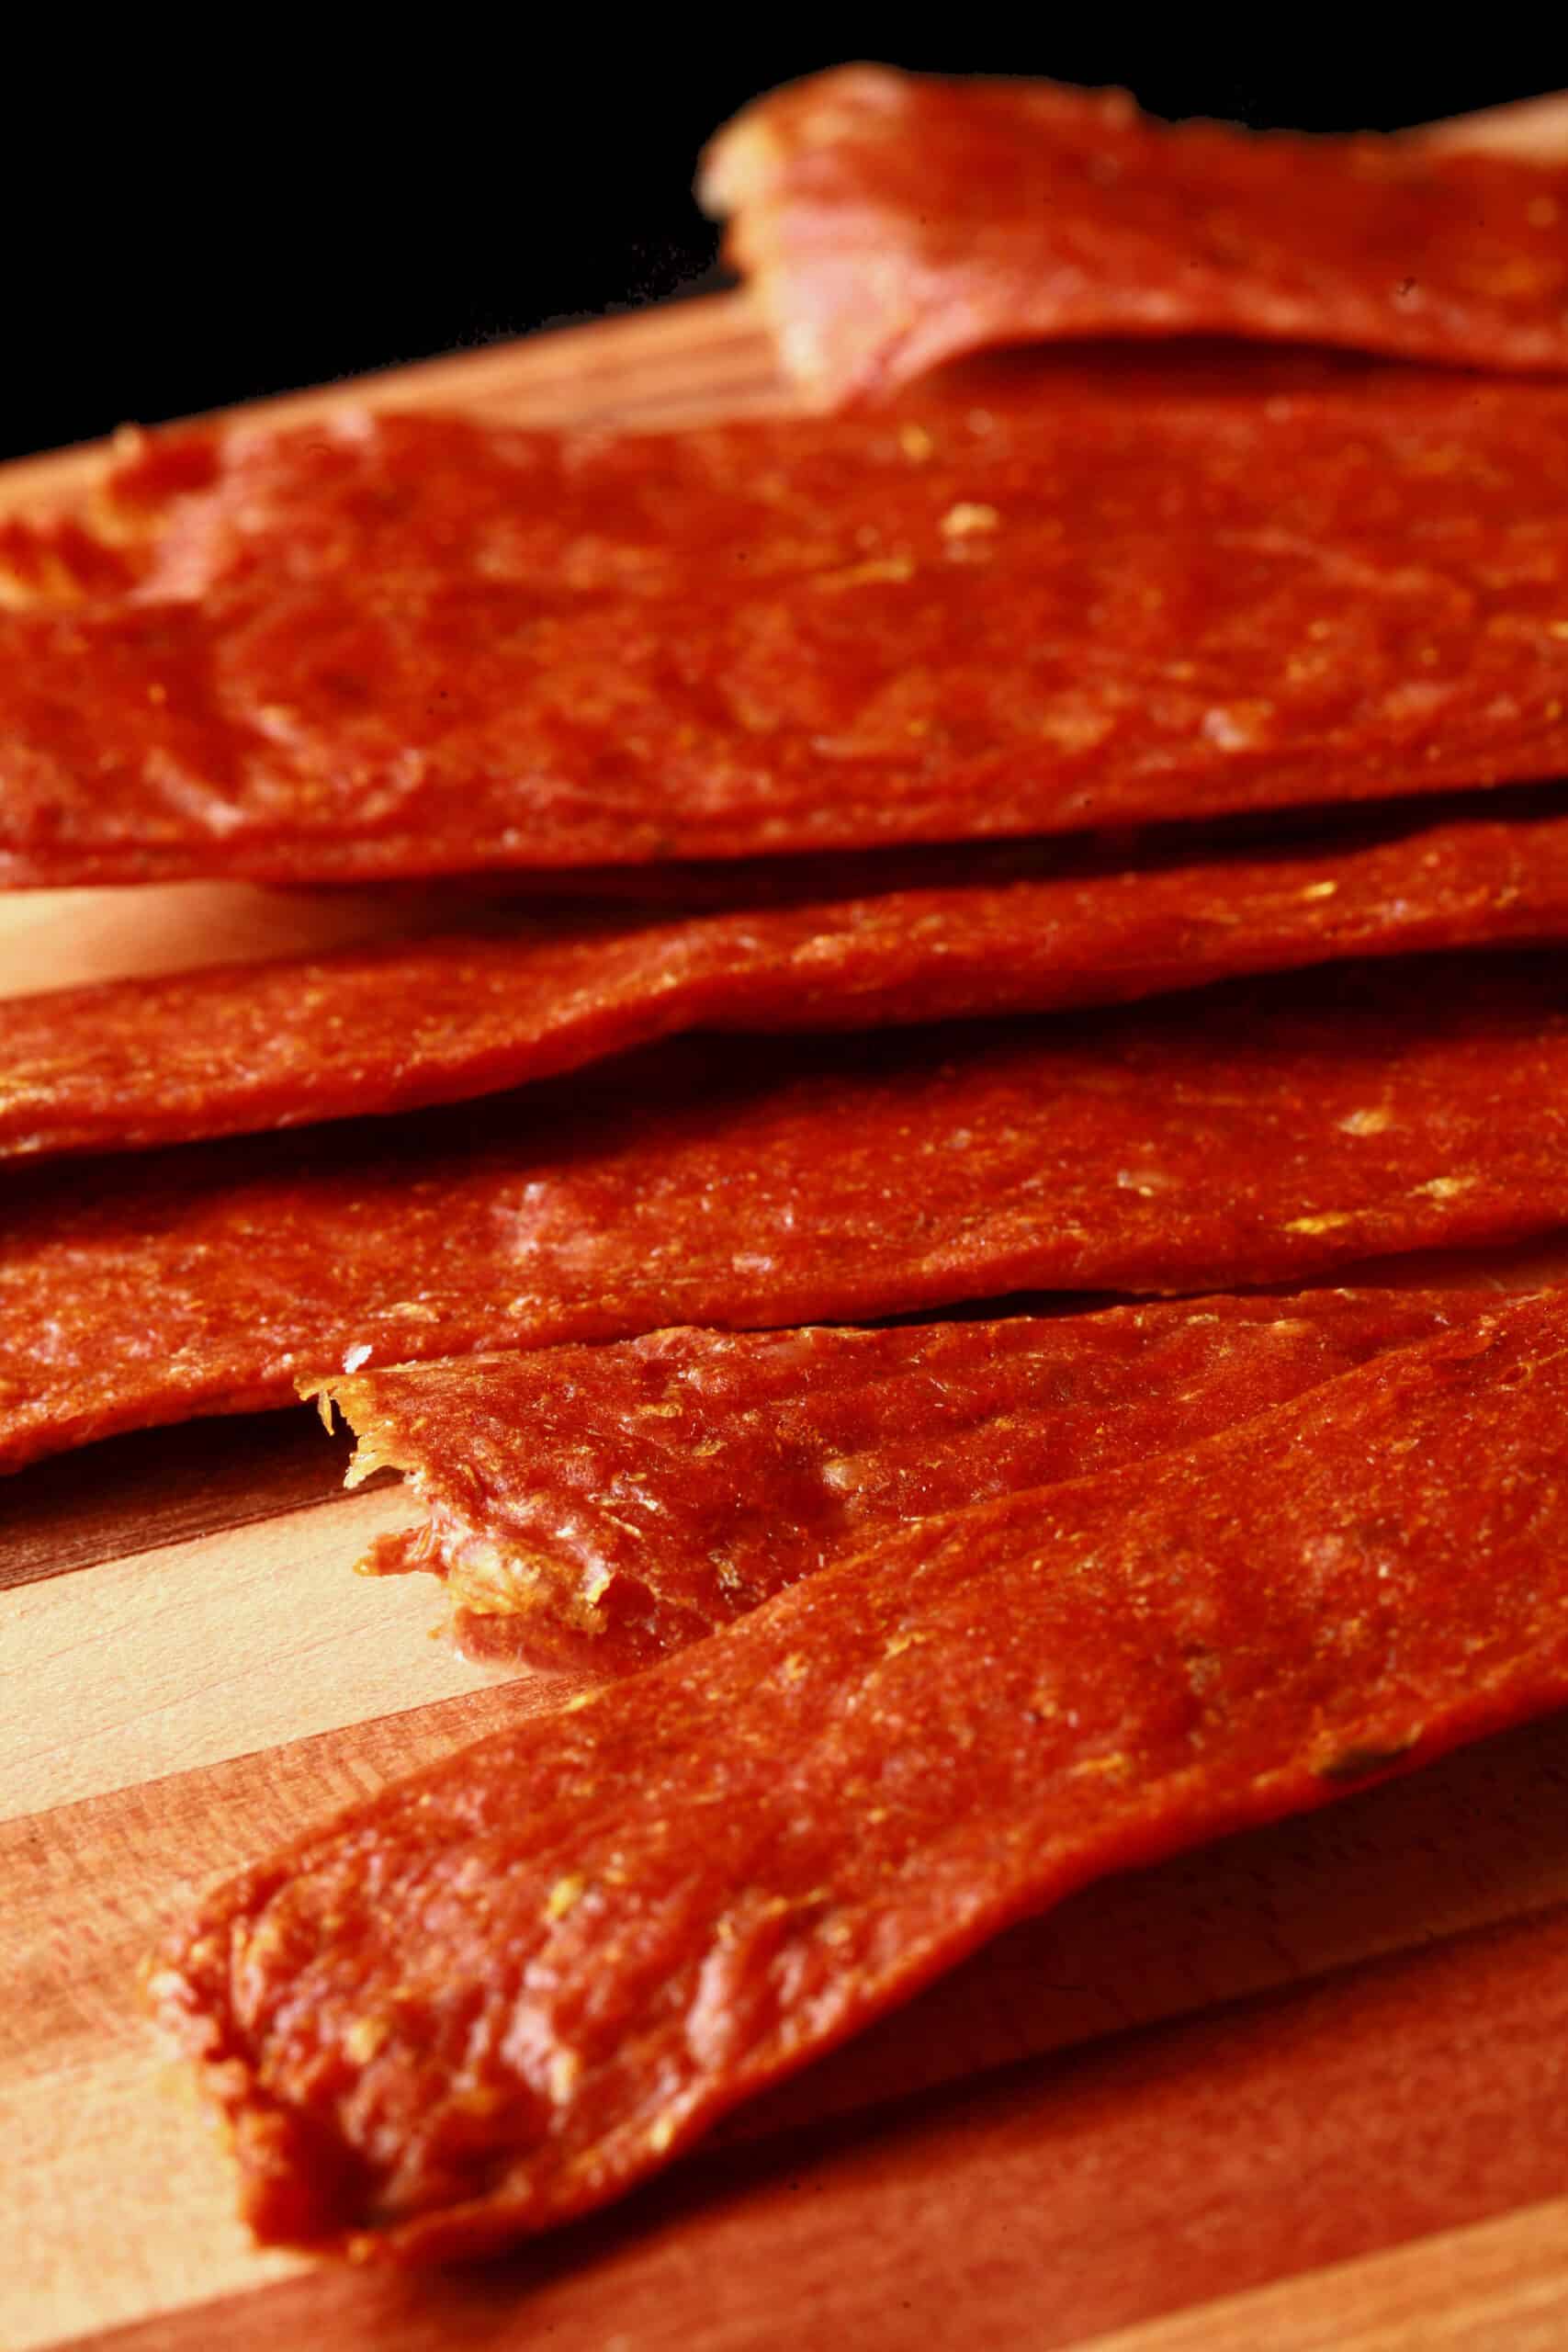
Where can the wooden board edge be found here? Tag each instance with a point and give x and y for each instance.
(650, 352)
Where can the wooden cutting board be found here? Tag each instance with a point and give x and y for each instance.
(1308, 2088)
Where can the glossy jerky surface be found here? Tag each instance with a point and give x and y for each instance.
(1059, 599)
(1261, 1132)
(390, 1027)
(605, 1505)
(503, 1992)
(892, 221)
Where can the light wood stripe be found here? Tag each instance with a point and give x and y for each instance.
(199, 1651)
(59, 939)
(1534, 129)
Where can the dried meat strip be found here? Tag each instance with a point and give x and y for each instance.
(501, 1993)
(601, 1506)
(892, 221)
(1265, 1132)
(399, 646)
(145, 1061)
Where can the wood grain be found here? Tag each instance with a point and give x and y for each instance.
(199, 1651)
(1303, 2089)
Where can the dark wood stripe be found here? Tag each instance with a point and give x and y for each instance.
(130, 1494)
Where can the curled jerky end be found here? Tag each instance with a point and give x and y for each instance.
(302, 2183)
(291, 2173)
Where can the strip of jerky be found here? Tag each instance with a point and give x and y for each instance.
(388, 1027)
(1264, 1132)
(504, 1991)
(598, 1506)
(407, 645)
(892, 221)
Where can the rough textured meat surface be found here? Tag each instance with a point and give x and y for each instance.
(1062, 599)
(391, 1027)
(605, 1505)
(503, 1992)
(892, 221)
(1264, 1132)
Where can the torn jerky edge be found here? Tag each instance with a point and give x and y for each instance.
(544, 1616)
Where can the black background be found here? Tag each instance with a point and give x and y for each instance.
(192, 222)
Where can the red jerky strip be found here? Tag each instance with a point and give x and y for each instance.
(504, 1991)
(893, 221)
(411, 645)
(390, 1027)
(604, 1505)
(1263, 1133)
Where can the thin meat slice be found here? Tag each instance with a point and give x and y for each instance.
(1265, 1132)
(601, 1506)
(388, 1027)
(1058, 599)
(503, 1992)
(892, 221)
